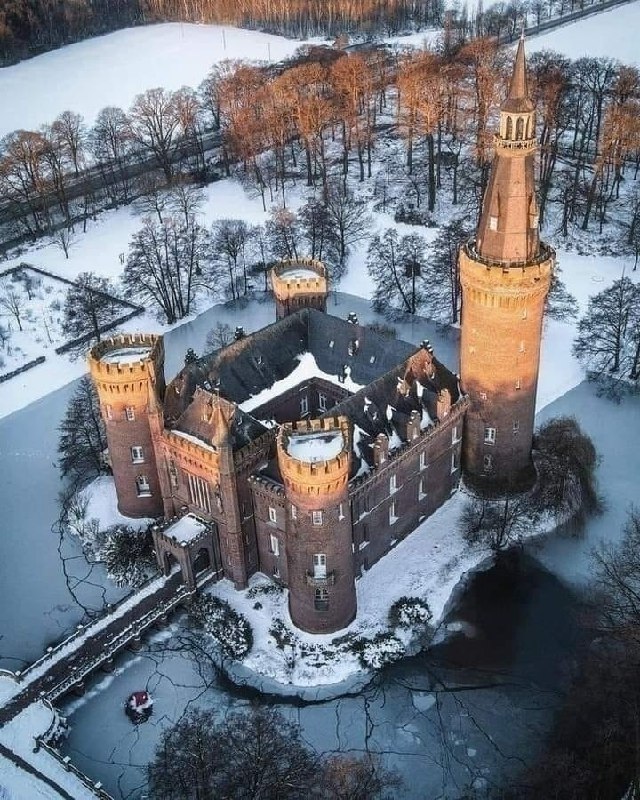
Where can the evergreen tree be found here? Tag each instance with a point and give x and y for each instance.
(82, 439)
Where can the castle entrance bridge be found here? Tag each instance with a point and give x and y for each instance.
(64, 668)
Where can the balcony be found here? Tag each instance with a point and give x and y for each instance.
(316, 581)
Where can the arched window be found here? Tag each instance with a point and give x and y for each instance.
(520, 128)
(509, 128)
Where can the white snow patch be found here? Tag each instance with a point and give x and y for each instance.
(306, 370)
(317, 446)
(186, 529)
(126, 355)
(194, 440)
(103, 505)
(111, 70)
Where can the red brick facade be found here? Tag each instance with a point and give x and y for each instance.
(505, 273)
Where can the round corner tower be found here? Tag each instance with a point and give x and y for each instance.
(314, 457)
(505, 273)
(128, 373)
(299, 283)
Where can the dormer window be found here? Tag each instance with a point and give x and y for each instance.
(493, 223)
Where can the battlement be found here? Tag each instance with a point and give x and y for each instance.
(493, 283)
(298, 276)
(125, 358)
(314, 457)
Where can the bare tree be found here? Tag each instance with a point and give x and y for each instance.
(498, 523)
(349, 219)
(155, 126)
(219, 336)
(13, 301)
(229, 239)
(165, 265)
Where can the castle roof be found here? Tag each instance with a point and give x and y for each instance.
(518, 99)
(391, 391)
(255, 362)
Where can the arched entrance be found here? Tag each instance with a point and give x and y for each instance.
(202, 561)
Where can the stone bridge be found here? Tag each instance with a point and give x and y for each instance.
(64, 668)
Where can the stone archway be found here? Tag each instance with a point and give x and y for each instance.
(202, 561)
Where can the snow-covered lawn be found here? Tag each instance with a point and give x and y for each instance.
(111, 70)
(609, 34)
(38, 300)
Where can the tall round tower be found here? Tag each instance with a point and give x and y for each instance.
(128, 373)
(505, 274)
(299, 283)
(314, 457)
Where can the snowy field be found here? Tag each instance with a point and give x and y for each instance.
(610, 34)
(113, 69)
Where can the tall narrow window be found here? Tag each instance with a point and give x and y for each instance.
(421, 492)
(322, 401)
(423, 460)
(320, 565)
(393, 483)
(455, 460)
(130, 413)
(316, 517)
(488, 462)
(294, 512)
(137, 454)
(454, 435)
(340, 512)
(273, 516)
(489, 435)
(321, 600)
(274, 544)
(199, 493)
(516, 427)
(304, 405)
(518, 384)
(392, 513)
(520, 128)
(108, 411)
(493, 223)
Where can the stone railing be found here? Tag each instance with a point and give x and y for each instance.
(65, 762)
(546, 253)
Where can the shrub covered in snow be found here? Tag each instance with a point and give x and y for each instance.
(128, 555)
(230, 629)
(262, 589)
(409, 612)
(383, 649)
(284, 637)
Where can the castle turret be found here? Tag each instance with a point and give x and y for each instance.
(314, 458)
(505, 274)
(299, 283)
(128, 373)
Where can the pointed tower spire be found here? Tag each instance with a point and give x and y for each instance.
(518, 98)
(508, 227)
(505, 275)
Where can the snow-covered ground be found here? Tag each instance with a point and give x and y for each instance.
(18, 735)
(609, 34)
(111, 70)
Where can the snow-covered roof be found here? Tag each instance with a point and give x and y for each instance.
(315, 446)
(186, 529)
(297, 273)
(306, 370)
(126, 355)
(256, 363)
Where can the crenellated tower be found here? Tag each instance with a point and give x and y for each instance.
(505, 274)
(314, 458)
(299, 283)
(128, 373)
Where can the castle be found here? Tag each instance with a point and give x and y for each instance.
(308, 449)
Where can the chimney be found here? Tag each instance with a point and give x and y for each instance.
(380, 450)
(413, 426)
(443, 404)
